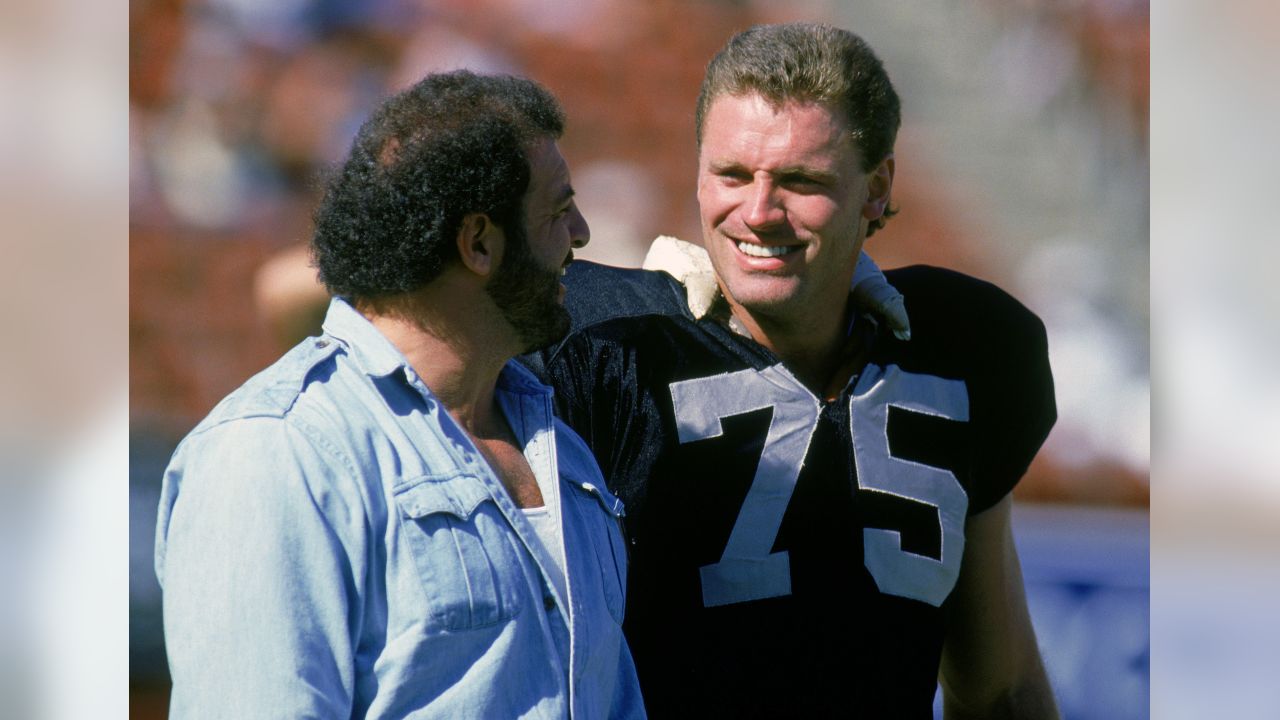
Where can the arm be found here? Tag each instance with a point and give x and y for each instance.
(258, 588)
(991, 667)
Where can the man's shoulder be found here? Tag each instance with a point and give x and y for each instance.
(275, 391)
(930, 286)
(299, 423)
(598, 293)
(947, 304)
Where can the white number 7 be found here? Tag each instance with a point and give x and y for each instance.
(748, 570)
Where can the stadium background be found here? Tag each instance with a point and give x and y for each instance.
(1023, 159)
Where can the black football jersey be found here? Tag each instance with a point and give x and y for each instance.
(792, 555)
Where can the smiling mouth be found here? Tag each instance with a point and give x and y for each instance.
(766, 251)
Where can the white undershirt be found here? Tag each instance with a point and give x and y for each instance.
(547, 533)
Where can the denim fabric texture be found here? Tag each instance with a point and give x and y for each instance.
(330, 544)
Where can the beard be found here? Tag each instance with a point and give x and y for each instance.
(528, 295)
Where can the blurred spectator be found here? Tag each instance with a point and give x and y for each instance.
(619, 199)
(289, 297)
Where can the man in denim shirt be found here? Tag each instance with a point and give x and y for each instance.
(389, 522)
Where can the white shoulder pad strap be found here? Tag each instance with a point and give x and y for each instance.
(873, 293)
(690, 265)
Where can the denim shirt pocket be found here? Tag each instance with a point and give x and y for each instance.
(466, 552)
(604, 519)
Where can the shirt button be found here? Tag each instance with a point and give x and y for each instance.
(322, 343)
(549, 603)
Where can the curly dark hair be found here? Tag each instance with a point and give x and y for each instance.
(453, 144)
(809, 62)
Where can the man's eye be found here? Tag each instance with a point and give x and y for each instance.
(801, 181)
(734, 177)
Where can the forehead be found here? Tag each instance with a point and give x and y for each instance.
(752, 125)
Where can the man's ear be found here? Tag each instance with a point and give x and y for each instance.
(480, 244)
(879, 185)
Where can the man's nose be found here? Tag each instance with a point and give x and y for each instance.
(579, 231)
(763, 208)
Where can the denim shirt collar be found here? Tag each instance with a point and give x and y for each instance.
(371, 351)
(516, 378)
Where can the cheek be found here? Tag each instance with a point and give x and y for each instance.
(559, 236)
(715, 202)
(821, 214)
(544, 244)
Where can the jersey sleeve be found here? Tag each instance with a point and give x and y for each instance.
(977, 332)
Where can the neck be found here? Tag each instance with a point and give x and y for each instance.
(450, 335)
(810, 349)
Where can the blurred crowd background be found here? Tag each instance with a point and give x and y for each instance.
(1023, 159)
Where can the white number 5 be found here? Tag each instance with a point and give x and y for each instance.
(897, 571)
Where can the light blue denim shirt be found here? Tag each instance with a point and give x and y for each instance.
(330, 545)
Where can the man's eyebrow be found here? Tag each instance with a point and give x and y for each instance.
(724, 165)
(808, 171)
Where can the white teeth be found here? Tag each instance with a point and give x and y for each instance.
(764, 251)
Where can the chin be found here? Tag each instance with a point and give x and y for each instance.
(764, 295)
